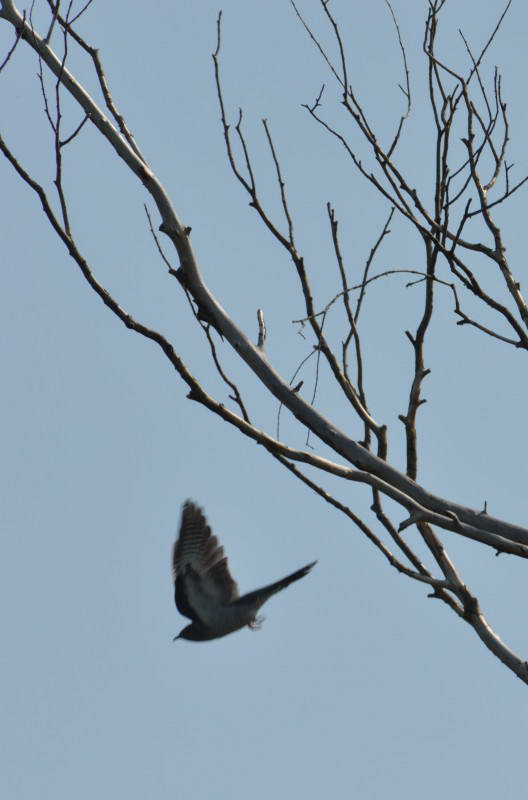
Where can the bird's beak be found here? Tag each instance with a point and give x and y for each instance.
(176, 637)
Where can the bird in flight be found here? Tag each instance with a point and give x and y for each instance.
(205, 592)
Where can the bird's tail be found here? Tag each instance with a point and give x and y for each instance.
(259, 596)
(295, 576)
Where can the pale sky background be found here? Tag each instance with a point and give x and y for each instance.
(357, 685)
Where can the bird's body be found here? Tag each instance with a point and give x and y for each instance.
(205, 591)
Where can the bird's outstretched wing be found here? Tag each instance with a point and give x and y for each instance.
(202, 579)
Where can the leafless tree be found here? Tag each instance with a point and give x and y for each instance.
(457, 230)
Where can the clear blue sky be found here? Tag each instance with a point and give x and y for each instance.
(357, 685)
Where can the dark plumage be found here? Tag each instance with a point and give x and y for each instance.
(205, 592)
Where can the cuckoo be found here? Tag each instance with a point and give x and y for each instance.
(205, 592)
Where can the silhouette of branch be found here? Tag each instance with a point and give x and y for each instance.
(440, 226)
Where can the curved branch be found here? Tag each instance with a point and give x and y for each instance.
(373, 469)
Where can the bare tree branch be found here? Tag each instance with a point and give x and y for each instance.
(440, 226)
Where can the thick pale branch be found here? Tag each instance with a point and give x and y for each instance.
(423, 508)
(349, 449)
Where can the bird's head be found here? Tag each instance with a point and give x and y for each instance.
(195, 633)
